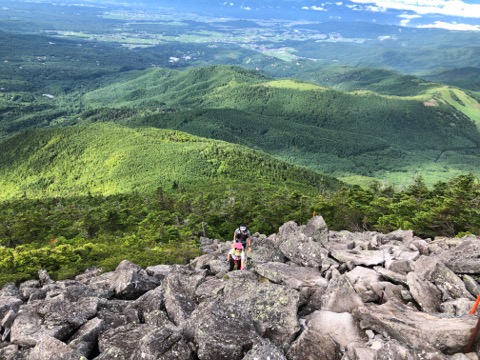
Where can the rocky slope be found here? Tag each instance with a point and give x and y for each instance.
(308, 293)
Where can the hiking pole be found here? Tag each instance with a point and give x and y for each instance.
(475, 329)
(476, 305)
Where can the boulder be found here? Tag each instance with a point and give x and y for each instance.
(300, 248)
(433, 270)
(222, 331)
(292, 276)
(340, 296)
(179, 293)
(166, 343)
(48, 348)
(125, 338)
(264, 349)
(130, 281)
(362, 257)
(463, 258)
(86, 338)
(417, 329)
(273, 307)
(56, 318)
(426, 294)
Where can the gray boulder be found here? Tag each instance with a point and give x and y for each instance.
(49, 348)
(179, 288)
(166, 343)
(292, 276)
(463, 258)
(272, 307)
(130, 281)
(56, 318)
(426, 294)
(300, 248)
(342, 328)
(340, 296)
(417, 329)
(86, 338)
(222, 331)
(124, 338)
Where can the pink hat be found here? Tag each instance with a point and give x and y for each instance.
(238, 246)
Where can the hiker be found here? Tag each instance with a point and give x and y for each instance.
(236, 256)
(243, 235)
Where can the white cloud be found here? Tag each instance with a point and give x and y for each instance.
(316, 8)
(441, 7)
(376, 9)
(451, 26)
(246, 8)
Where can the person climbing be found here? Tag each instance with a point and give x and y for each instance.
(236, 257)
(243, 235)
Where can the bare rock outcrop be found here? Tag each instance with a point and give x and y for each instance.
(308, 293)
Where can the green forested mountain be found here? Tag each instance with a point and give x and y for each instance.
(433, 132)
(106, 159)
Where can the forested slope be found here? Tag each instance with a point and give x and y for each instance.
(344, 133)
(106, 159)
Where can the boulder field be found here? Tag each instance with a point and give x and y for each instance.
(307, 293)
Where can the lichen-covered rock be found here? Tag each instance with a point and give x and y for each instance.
(179, 293)
(272, 307)
(48, 348)
(222, 331)
(56, 318)
(265, 350)
(166, 343)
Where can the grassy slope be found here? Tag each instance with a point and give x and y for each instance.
(347, 134)
(107, 159)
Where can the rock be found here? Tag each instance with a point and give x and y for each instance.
(9, 289)
(222, 331)
(417, 329)
(340, 296)
(56, 318)
(159, 272)
(265, 250)
(362, 257)
(44, 278)
(471, 285)
(299, 248)
(9, 303)
(394, 350)
(116, 313)
(272, 307)
(125, 338)
(130, 281)
(166, 343)
(463, 258)
(86, 338)
(317, 229)
(265, 350)
(433, 270)
(426, 294)
(457, 307)
(293, 276)
(179, 293)
(366, 283)
(49, 348)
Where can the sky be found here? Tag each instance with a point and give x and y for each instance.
(449, 14)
